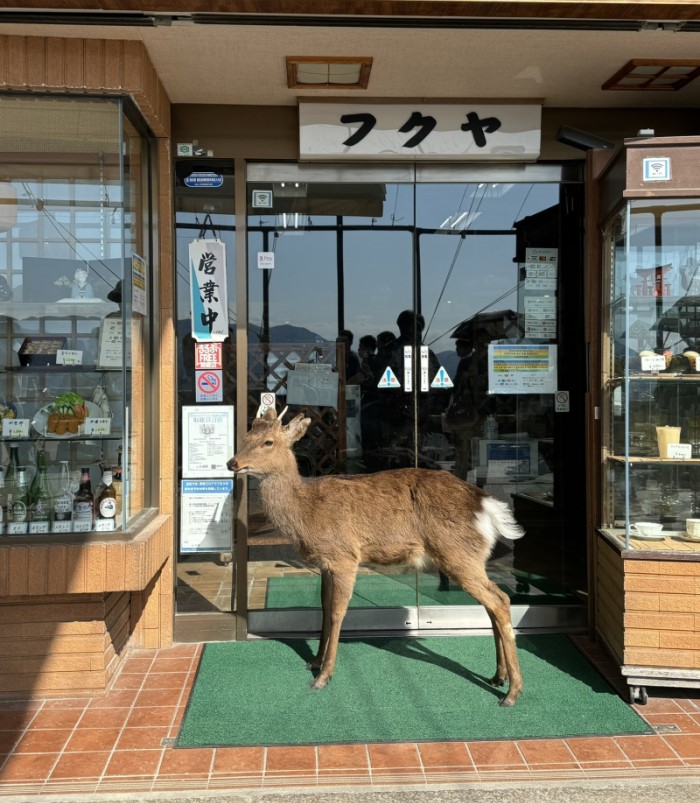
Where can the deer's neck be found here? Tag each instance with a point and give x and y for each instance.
(284, 501)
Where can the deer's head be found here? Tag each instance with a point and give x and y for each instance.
(267, 446)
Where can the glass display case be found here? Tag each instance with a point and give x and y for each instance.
(651, 374)
(74, 328)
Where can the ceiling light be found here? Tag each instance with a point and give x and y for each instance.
(654, 75)
(328, 72)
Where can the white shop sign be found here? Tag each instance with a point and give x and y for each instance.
(419, 131)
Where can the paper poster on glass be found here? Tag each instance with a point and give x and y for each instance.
(207, 441)
(111, 344)
(208, 291)
(522, 368)
(139, 297)
(206, 515)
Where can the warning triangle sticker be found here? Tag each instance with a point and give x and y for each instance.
(442, 379)
(389, 380)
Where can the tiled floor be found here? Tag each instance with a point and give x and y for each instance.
(122, 742)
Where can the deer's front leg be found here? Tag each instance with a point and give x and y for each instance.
(342, 585)
(326, 590)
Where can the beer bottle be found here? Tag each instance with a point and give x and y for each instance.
(3, 502)
(63, 506)
(20, 497)
(84, 503)
(106, 504)
(41, 497)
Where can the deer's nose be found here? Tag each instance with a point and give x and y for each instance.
(232, 464)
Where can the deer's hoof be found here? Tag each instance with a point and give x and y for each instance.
(315, 664)
(319, 682)
(509, 699)
(497, 680)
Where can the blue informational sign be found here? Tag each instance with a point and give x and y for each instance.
(204, 179)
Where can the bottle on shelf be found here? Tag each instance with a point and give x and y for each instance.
(63, 503)
(20, 497)
(40, 495)
(11, 479)
(84, 503)
(106, 504)
(3, 502)
(117, 481)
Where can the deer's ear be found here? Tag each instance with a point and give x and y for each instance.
(296, 428)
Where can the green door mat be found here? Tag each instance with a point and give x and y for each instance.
(397, 690)
(399, 590)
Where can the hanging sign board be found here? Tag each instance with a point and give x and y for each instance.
(204, 179)
(208, 291)
(419, 131)
(207, 441)
(206, 515)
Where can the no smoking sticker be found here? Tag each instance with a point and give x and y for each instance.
(561, 401)
(209, 386)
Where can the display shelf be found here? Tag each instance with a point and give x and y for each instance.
(664, 461)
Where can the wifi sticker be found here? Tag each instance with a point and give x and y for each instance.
(657, 168)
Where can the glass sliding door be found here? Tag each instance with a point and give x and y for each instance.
(407, 290)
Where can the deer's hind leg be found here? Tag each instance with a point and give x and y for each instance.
(342, 582)
(326, 591)
(474, 580)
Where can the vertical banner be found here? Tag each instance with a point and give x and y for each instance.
(208, 291)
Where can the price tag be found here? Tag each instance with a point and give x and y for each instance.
(105, 525)
(38, 526)
(62, 527)
(17, 527)
(15, 427)
(69, 357)
(97, 426)
(81, 526)
(679, 451)
(656, 362)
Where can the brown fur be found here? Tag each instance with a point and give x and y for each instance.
(400, 516)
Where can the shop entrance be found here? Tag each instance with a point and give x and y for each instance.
(431, 317)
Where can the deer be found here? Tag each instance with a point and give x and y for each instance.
(405, 515)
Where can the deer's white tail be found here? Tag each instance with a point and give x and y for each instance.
(495, 520)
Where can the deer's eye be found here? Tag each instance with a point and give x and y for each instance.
(268, 443)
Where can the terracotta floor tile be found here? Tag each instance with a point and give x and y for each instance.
(15, 720)
(490, 754)
(67, 702)
(440, 755)
(104, 718)
(290, 758)
(43, 741)
(658, 705)
(133, 762)
(239, 759)
(80, 765)
(8, 739)
(197, 761)
(119, 698)
(595, 749)
(546, 751)
(28, 767)
(56, 719)
(147, 717)
(344, 777)
(686, 746)
(139, 665)
(645, 747)
(151, 698)
(342, 757)
(163, 664)
(93, 739)
(393, 756)
(142, 738)
(124, 682)
(606, 765)
(165, 680)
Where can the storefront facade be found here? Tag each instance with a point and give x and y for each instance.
(314, 247)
